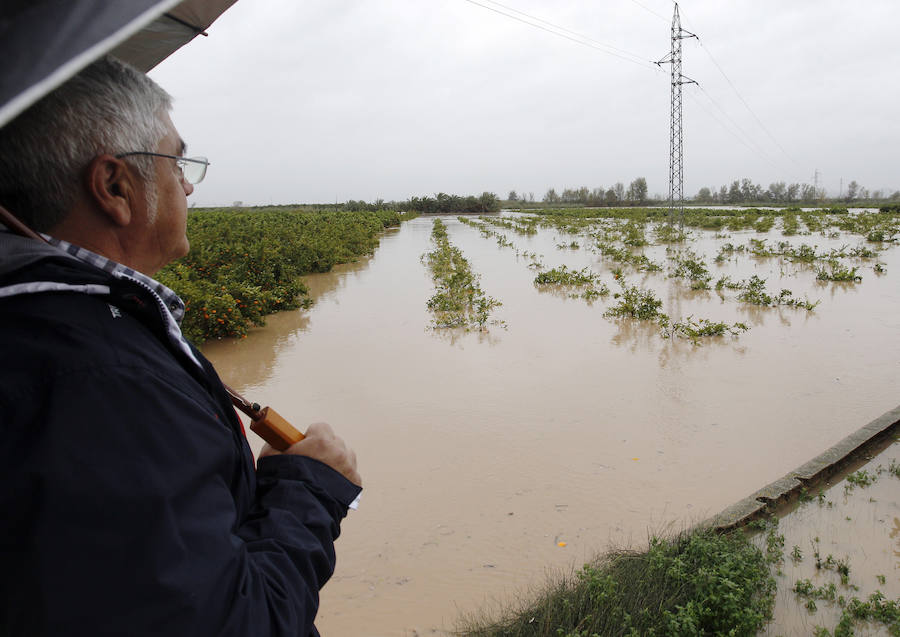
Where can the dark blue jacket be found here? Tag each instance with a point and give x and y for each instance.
(128, 497)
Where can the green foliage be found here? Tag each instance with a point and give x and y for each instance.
(633, 234)
(862, 478)
(789, 224)
(755, 292)
(875, 609)
(894, 469)
(564, 276)
(245, 263)
(443, 203)
(838, 272)
(458, 300)
(635, 303)
(584, 278)
(726, 250)
(701, 328)
(691, 267)
(725, 282)
(774, 546)
(764, 224)
(804, 254)
(520, 225)
(699, 584)
(620, 255)
(668, 233)
(813, 220)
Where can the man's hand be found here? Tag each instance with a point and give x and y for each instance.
(321, 444)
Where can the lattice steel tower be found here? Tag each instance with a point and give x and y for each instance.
(676, 142)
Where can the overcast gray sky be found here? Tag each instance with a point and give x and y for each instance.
(328, 100)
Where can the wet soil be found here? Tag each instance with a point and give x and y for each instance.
(481, 452)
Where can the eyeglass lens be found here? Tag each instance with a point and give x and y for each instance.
(193, 171)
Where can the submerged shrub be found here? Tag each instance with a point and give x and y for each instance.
(635, 303)
(838, 272)
(458, 300)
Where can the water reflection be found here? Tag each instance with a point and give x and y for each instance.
(251, 361)
(635, 335)
(459, 335)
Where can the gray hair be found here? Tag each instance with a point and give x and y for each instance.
(109, 107)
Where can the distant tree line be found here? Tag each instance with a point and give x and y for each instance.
(615, 195)
(441, 203)
(744, 191)
(452, 204)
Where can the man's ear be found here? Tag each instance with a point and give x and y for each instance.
(113, 187)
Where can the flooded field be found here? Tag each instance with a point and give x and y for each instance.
(841, 541)
(491, 457)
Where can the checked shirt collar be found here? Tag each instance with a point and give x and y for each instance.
(170, 304)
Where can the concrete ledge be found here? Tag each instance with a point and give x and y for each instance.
(809, 475)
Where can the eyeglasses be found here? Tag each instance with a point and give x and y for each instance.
(193, 169)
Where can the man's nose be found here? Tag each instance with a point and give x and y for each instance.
(188, 187)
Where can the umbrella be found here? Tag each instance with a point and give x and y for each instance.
(45, 42)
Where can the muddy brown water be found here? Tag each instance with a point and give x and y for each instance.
(482, 452)
(854, 524)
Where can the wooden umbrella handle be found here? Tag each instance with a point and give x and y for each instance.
(274, 429)
(266, 422)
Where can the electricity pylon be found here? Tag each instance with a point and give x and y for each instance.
(676, 141)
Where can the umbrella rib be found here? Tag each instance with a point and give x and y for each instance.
(199, 30)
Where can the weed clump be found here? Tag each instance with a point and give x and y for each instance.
(564, 276)
(838, 272)
(754, 292)
(689, 266)
(695, 330)
(640, 261)
(584, 278)
(668, 233)
(702, 583)
(635, 303)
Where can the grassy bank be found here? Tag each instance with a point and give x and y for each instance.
(245, 263)
(701, 583)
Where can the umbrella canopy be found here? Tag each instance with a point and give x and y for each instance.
(45, 42)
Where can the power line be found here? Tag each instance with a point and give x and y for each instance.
(731, 132)
(744, 102)
(759, 150)
(649, 10)
(562, 32)
(575, 33)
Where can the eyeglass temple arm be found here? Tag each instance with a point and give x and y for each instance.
(266, 422)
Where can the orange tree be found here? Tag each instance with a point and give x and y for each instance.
(246, 263)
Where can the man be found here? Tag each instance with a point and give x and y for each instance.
(129, 501)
